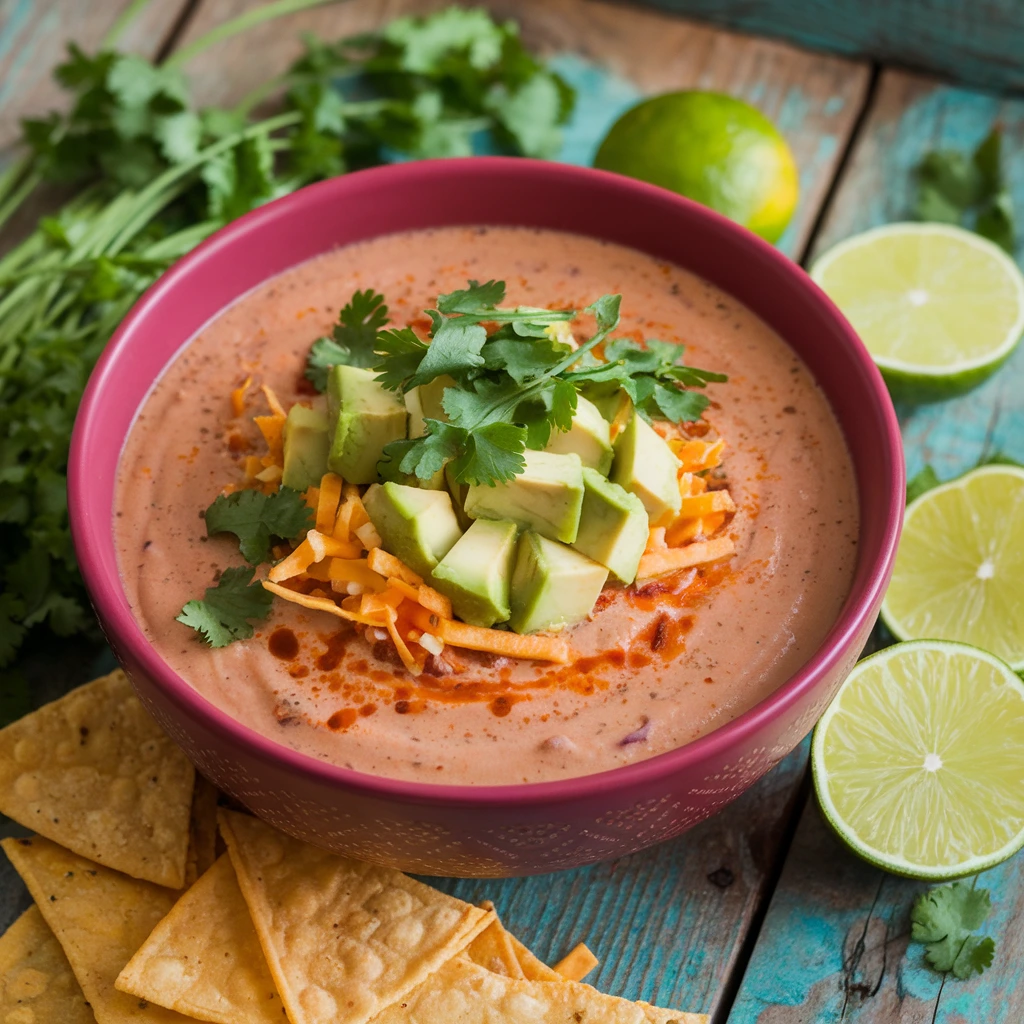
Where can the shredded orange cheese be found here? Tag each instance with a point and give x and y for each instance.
(496, 641)
(238, 397)
(387, 565)
(660, 562)
(327, 502)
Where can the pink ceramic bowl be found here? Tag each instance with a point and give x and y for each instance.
(517, 829)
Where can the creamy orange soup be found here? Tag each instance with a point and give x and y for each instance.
(655, 666)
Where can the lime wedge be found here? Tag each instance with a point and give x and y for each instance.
(939, 308)
(919, 759)
(959, 572)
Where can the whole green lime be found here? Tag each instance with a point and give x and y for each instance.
(711, 148)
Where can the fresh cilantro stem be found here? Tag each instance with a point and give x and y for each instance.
(123, 22)
(258, 15)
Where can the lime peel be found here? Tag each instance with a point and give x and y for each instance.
(917, 762)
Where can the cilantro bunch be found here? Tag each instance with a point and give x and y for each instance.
(155, 175)
(514, 381)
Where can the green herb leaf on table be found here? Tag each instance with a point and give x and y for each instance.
(254, 518)
(953, 188)
(223, 615)
(944, 919)
(923, 481)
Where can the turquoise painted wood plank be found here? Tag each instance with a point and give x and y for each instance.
(835, 946)
(910, 116)
(614, 55)
(979, 43)
(667, 924)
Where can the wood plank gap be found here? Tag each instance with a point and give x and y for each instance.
(793, 813)
(177, 30)
(870, 93)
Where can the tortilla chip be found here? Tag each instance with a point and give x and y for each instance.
(343, 938)
(99, 917)
(93, 772)
(533, 968)
(36, 983)
(577, 963)
(204, 959)
(657, 1015)
(492, 948)
(462, 992)
(202, 830)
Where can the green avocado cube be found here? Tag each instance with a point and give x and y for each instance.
(613, 526)
(306, 447)
(426, 403)
(546, 497)
(588, 437)
(415, 525)
(477, 572)
(553, 586)
(645, 466)
(364, 417)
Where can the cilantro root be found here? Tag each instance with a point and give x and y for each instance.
(156, 175)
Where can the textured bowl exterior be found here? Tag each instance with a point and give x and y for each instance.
(518, 829)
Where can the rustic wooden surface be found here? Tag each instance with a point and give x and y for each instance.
(978, 42)
(834, 942)
(678, 924)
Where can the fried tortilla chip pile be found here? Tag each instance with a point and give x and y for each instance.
(137, 918)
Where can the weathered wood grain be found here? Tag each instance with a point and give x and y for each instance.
(910, 116)
(979, 43)
(33, 37)
(835, 946)
(614, 55)
(667, 924)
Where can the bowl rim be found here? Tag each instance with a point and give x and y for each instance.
(108, 597)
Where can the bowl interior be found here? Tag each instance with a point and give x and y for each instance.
(498, 191)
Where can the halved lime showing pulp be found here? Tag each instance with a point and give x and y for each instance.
(939, 308)
(959, 572)
(918, 761)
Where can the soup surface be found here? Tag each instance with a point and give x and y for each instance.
(655, 667)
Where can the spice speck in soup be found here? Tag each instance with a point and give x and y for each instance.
(485, 505)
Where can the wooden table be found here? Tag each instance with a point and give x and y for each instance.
(757, 915)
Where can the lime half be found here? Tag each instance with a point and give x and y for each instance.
(919, 759)
(959, 572)
(939, 308)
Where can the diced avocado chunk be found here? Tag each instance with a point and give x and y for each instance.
(613, 526)
(364, 417)
(646, 466)
(552, 585)
(415, 525)
(477, 572)
(546, 497)
(587, 437)
(306, 446)
(426, 402)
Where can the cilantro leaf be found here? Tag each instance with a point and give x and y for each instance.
(454, 347)
(474, 299)
(424, 456)
(492, 454)
(323, 354)
(254, 518)
(971, 191)
(353, 340)
(922, 482)
(944, 920)
(401, 354)
(522, 360)
(222, 616)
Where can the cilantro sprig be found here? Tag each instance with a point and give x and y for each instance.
(968, 190)
(515, 380)
(223, 615)
(945, 920)
(255, 518)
